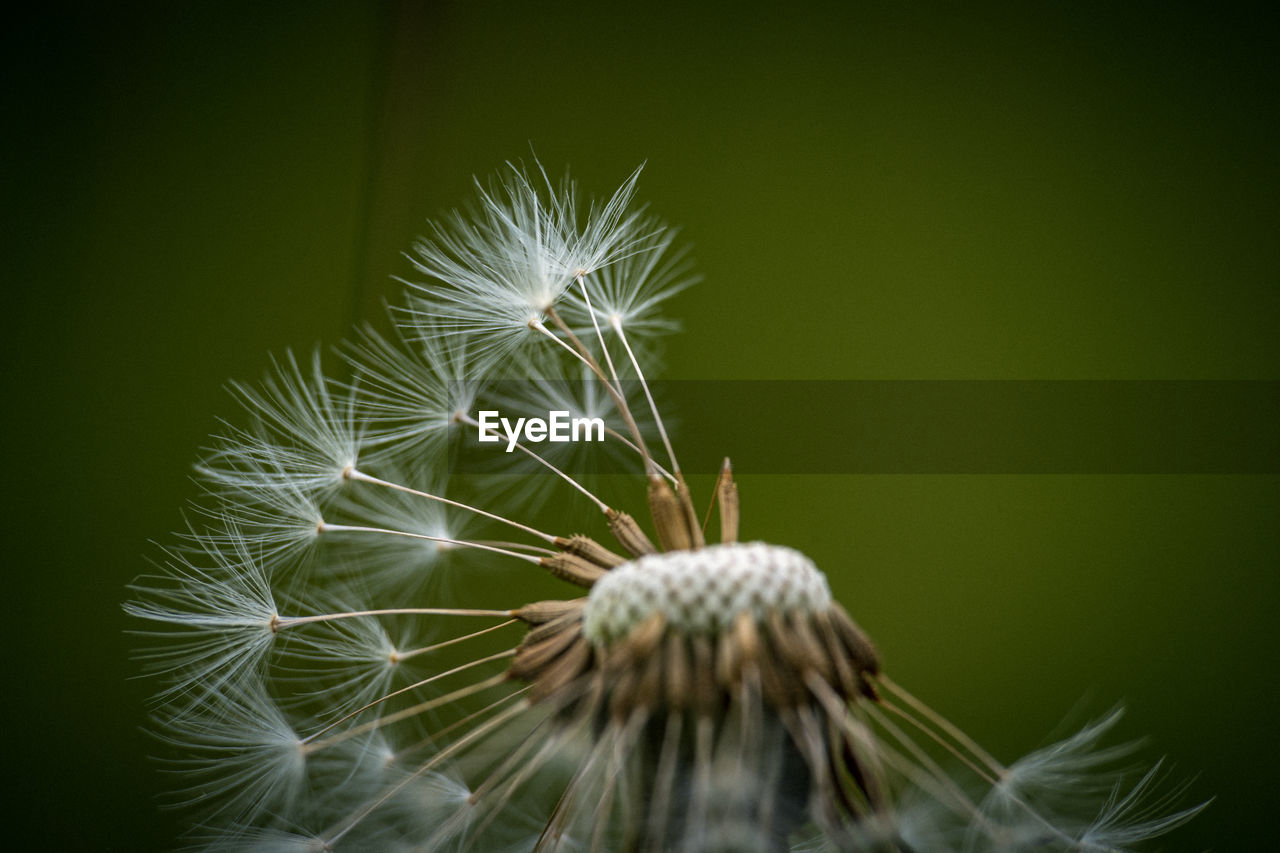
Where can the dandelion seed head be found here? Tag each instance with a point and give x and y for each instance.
(693, 696)
(704, 591)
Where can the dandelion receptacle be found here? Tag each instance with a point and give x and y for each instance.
(684, 687)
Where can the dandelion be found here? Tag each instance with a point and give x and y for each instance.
(510, 259)
(325, 687)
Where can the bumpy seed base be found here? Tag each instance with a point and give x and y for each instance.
(703, 591)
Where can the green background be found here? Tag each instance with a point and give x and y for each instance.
(1036, 191)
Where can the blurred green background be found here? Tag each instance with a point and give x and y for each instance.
(1029, 191)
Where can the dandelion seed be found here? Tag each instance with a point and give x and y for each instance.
(239, 752)
(278, 526)
(503, 265)
(302, 438)
(420, 560)
(632, 291)
(409, 397)
(215, 623)
(690, 695)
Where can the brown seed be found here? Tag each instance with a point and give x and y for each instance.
(545, 611)
(571, 622)
(668, 517)
(727, 498)
(678, 670)
(629, 535)
(855, 641)
(704, 691)
(563, 671)
(573, 569)
(532, 658)
(590, 550)
(690, 514)
(848, 682)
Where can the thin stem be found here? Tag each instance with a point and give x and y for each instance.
(922, 759)
(608, 359)
(616, 322)
(325, 527)
(403, 656)
(431, 739)
(631, 444)
(614, 387)
(932, 779)
(940, 741)
(343, 735)
(582, 356)
(619, 401)
(477, 733)
(613, 372)
(281, 622)
(467, 419)
(355, 474)
(977, 815)
(574, 789)
(516, 546)
(944, 724)
(858, 739)
(715, 492)
(501, 784)
(950, 728)
(420, 708)
(622, 745)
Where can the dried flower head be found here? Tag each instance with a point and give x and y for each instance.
(690, 695)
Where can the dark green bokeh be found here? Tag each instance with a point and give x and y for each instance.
(957, 193)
